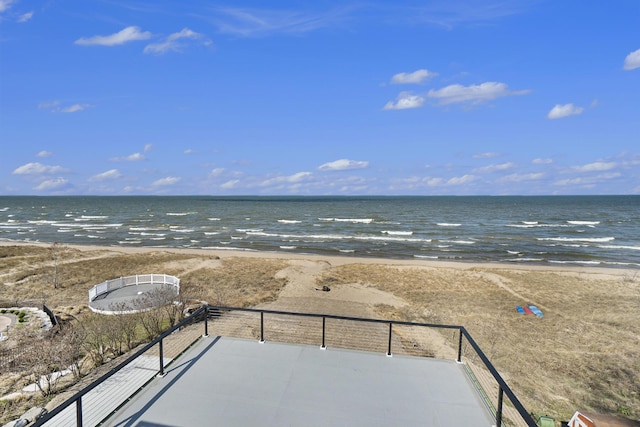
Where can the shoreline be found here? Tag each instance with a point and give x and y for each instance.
(336, 260)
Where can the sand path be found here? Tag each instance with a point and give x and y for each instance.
(303, 294)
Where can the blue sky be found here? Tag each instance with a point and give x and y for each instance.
(116, 97)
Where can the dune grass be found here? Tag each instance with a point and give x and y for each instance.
(584, 354)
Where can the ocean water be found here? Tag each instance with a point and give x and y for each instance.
(542, 230)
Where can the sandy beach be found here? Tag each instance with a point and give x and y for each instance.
(583, 355)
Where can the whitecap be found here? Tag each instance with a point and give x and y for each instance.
(289, 221)
(633, 248)
(397, 233)
(448, 224)
(577, 239)
(352, 220)
(583, 222)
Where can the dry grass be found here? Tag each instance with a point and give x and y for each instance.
(584, 354)
(238, 282)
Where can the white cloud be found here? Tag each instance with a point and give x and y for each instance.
(495, 168)
(465, 179)
(38, 169)
(566, 110)
(216, 172)
(595, 167)
(518, 177)
(135, 157)
(48, 104)
(415, 77)
(44, 154)
(106, 176)
(127, 35)
(248, 22)
(230, 184)
(474, 94)
(435, 182)
(589, 181)
(189, 151)
(632, 61)
(172, 43)
(25, 17)
(147, 148)
(405, 100)
(344, 164)
(486, 155)
(55, 107)
(52, 184)
(540, 161)
(163, 182)
(295, 178)
(5, 4)
(73, 108)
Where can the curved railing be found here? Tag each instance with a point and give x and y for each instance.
(139, 279)
(263, 325)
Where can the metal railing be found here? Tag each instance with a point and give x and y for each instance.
(140, 279)
(307, 328)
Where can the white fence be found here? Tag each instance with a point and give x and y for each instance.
(140, 279)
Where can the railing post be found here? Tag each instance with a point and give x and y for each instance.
(324, 321)
(499, 410)
(389, 349)
(161, 351)
(79, 412)
(262, 327)
(206, 322)
(460, 346)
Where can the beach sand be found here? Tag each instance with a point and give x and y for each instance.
(583, 355)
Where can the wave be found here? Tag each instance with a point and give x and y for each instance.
(227, 248)
(526, 225)
(583, 222)
(633, 248)
(304, 237)
(289, 221)
(64, 224)
(180, 213)
(397, 233)
(129, 242)
(288, 247)
(575, 262)
(577, 239)
(352, 220)
(448, 224)
(213, 219)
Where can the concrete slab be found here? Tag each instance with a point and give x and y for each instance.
(236, 382)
